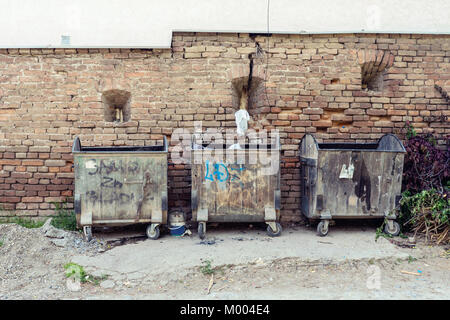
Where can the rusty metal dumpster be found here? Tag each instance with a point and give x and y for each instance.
(230, 186)
(351, 180)
(120, 186)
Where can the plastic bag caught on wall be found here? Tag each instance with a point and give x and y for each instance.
(242, 118)
(235, 146)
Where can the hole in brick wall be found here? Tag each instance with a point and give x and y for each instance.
(372, 82)
(116, 105)
(253, 96)
(334, 81)
(374, 65)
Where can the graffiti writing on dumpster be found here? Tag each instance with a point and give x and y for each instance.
(221, 172)
(111, 166)
(113, 197)
(110, 189)
(109, 182)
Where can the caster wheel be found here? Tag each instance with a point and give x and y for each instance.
(153, 234)
(395, 231)
(321, 229)
(201, 230)
(87, 233)
(276, 233)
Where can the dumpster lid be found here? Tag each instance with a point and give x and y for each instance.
(118, 149)
(387, 143)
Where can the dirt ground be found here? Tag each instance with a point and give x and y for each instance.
(231, 263)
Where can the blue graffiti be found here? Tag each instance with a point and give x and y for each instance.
(220, 172)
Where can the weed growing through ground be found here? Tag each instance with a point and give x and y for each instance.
(65, 218)
(380, 233)
(24, 222)
(76, 271)
(206, 268)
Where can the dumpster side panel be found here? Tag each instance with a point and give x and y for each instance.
(233, 190)
(152, 190)
(391, 180)
(310, 183)
(371, 182)
(337, 172)
(358, 183)
(121, 188)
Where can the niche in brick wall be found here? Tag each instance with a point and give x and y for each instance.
(252, 90)
(372, 82)
(374, 65)
(116, 105)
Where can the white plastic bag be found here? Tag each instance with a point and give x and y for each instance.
(235, 146)
(242, 118)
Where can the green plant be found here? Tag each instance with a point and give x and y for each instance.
(426, 165)
(427, 212)
(76, 271)
(410, 131)
(206, 268)
(65, 218)
(1, 242)
(411, 259)
(24, 222)
(379, 232)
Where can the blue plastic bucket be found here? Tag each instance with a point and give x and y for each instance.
(177, 231)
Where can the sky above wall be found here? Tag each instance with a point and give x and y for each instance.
(150, 23)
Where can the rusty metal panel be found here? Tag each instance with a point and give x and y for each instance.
(121, 185)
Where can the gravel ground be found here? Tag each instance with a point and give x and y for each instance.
(32, 260)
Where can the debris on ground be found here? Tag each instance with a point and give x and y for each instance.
(402, 243)
(409, 272)
(34, 259)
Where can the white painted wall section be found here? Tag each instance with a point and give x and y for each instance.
(150, 23)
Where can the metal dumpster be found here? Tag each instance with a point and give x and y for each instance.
(351, 180)
(120, 186)
(228, 186)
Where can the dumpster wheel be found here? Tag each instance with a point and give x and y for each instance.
(153, 231)
(395, 231)
(322, 229)
(276, 233)
(201, 230)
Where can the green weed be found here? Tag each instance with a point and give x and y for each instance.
(24, 222)
(65, 218)
(380, 232)
(207, 268)
(76, 271)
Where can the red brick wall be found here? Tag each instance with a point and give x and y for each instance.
(312, 84)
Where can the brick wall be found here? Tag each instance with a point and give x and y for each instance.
(306, 83)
